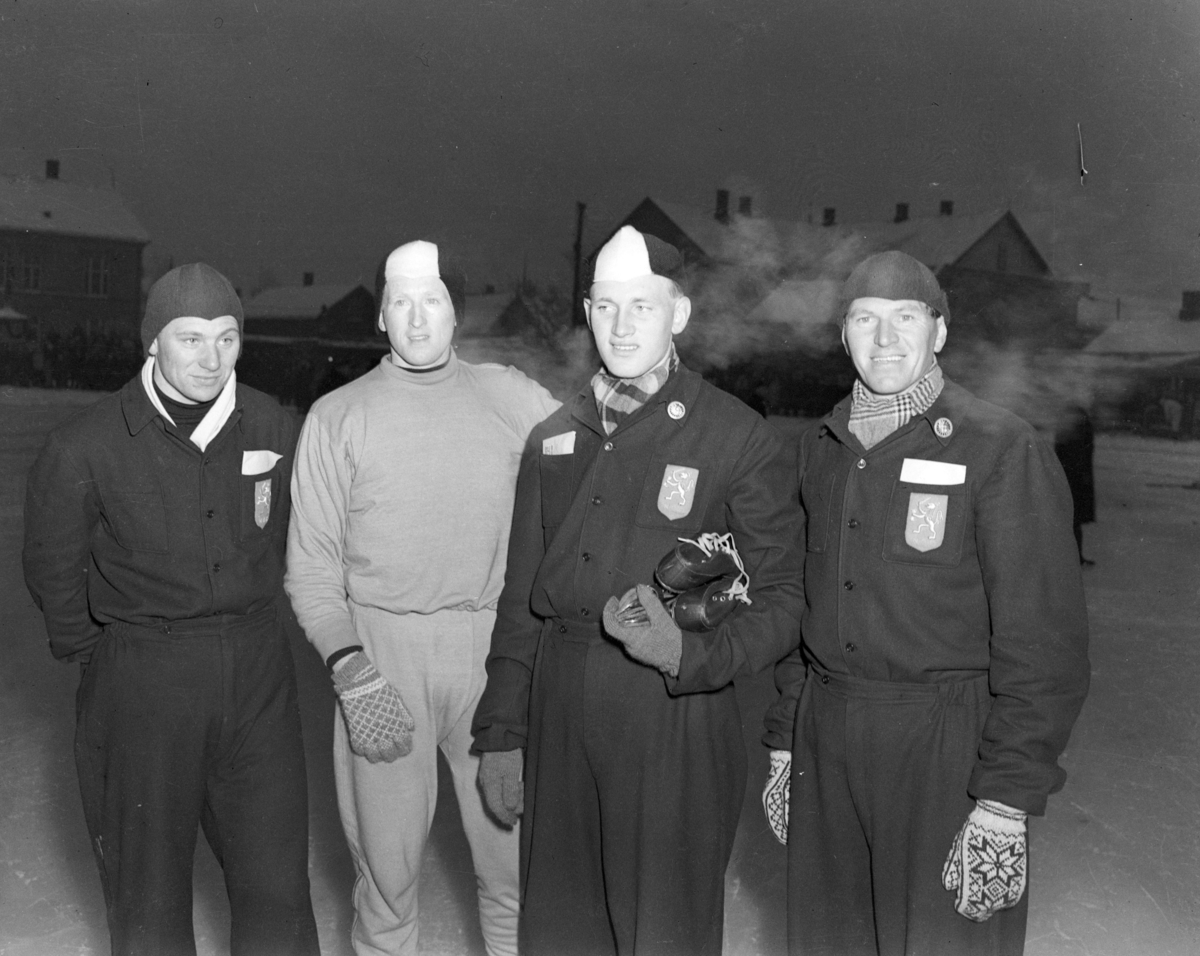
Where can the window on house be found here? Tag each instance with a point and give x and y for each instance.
(22, 272)
(97, 275)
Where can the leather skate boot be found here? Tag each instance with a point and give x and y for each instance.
(705, 607)
(693, 563)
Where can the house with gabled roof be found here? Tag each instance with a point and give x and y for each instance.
(337, 311)
(1000, 286)
(70, 255)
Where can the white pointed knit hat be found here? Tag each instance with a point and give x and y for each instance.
(630, 254)
(413, 260)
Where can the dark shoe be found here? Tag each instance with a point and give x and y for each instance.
(703, 608)
(689, 565)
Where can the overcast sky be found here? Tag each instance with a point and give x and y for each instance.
(279, 137)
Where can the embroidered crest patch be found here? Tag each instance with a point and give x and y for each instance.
(926, 527)
(678, 491)
(262, 502)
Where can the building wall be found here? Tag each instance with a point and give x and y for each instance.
(1003, 249)
(72, 281)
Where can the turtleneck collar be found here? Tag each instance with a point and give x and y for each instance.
(431, 376)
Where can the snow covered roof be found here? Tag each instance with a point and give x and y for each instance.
(61, 208)
(295, 301)
(1147, 326)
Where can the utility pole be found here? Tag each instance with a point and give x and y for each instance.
(577, 317)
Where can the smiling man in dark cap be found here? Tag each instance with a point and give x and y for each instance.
(944, 654)
(629, 734)
(155, 528)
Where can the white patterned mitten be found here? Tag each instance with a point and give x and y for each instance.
(777, 793)
(986, 868)
(380, 726)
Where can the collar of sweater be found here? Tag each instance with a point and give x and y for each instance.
(408, 376)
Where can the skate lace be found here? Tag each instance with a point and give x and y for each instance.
(710, 542)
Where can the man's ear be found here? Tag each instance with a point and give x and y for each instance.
(380, 323)
(153, 350)
(587, 311)
(942, 332)
(683, 312)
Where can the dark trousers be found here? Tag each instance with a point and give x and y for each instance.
(632, 800)
(879, 790)
(190, 725)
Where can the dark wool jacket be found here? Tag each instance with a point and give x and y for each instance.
(587, 525)
(127, 521)
(1001, 595)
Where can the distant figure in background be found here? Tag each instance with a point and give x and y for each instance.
(944, 654)
(155, 527)
(403, 500)
(1075, 446)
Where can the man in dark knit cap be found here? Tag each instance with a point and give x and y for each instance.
(155, 527)
(629, 735)
(944, 654)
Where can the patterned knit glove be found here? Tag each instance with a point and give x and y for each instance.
(500, 781)
(777, 793)
(380, 728)
(658, 643)
(986, 868)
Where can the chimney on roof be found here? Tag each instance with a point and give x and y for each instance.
(947, 207)
(722, 213)
(744, 205)
(1190, 312)
(830, 218)
(308, 278)
(52, 169)
(901, 212)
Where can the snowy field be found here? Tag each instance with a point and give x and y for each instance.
(1115, 862)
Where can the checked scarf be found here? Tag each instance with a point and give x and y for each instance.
(618, 398)
(874, 417)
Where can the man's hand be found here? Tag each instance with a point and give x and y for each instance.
(380, 726)
(986, 868)
(777, 794)
(658, 643)
(500, 781)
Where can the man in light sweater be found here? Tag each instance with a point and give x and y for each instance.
(403, 495)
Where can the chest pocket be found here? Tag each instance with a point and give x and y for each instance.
(259, 504)
(816, 497)
(926, 524)
(676, 494)
(137, 518)
(557, 488)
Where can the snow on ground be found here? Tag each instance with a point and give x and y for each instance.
(1115, 862)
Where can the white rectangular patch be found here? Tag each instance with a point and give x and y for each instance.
(563, 444)
(922, 472)
(259, 462)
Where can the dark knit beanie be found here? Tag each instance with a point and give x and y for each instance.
(194, 290)
(894, 275)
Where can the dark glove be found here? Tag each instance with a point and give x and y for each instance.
(659, 642)
(777, 793)
(500, 781)
(986, 868)
(380, 727)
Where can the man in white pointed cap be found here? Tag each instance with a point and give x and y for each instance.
(403, 495)
(629, 737)
(155, 527)
(944, 656)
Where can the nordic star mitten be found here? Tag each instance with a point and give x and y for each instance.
(986, 868)
(659, 642)
(500, 781)
(380, 727)
(777, 793)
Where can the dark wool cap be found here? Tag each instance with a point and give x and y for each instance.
(894, 275)
(195, 289)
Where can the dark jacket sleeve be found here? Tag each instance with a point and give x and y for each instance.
(1039, 671)
(61, 512)
(762, 511)
(501, 719)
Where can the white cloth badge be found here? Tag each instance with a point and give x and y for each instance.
(678, 491)
(259, 462)
(676, 410)
(925, 529)
(943, 428)
(922, 472)
(262, 502)
(563, 444)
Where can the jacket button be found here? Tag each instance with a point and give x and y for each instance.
(852, 523)
(562, 629)
(851, 648)
(596, 500)
(608, 446)
(849, 585)
(584, 611)
(586, 556)
(824, 680)
(209, 513)
(216, 567)
(862, 463)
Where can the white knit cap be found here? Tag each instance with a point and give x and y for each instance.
(413, 260)
(623, 257)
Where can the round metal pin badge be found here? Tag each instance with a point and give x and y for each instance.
(676, 410)
(943, 427)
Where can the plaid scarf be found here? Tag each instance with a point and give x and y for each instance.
(618, 398)
(874, 417)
